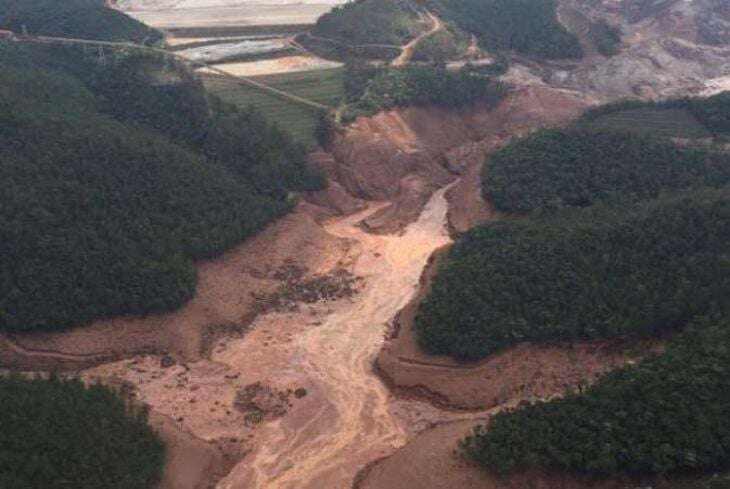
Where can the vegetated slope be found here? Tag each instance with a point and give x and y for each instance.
(666, 415)
(369, 90)
(605, 37)
(115, 177)
(687, 117)
(58, 434)
(441, 46)
(528, 27)
(89, 19)
(601, 272)
(392, 22)
(575, 167)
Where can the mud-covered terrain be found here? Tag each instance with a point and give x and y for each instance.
(275, 375)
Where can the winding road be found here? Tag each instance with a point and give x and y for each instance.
(407, 50)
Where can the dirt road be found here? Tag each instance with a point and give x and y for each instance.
(407, 50)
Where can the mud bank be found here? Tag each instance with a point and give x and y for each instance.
(524, 372)
(428, 461)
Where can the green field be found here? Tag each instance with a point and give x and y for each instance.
(660, 121)
(322, 86)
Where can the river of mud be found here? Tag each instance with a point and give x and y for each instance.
(358, 419)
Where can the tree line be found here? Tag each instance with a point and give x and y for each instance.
(666, 415)
(370, 89)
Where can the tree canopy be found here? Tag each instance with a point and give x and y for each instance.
(57, 434)
(666, 415)
(528, 27)
(600, 272)
(391, 22)
(115, 176)
(87, 19)
(369, 90)
(576, 166)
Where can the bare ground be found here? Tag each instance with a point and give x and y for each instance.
(524, 372)
(223, 304)
(343, 417)
(429, 462)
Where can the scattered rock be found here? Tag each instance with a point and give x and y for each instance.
(167, 361)
(300, 392)
(257, 401)
(301, 288)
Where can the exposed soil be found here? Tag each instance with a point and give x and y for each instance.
(407, 49)
(191, 463)
(524, 372)
(224, 303)
(253, 396)
(404, 155)
(429, 462)
(665, 51)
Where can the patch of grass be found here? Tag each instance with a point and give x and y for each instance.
(657, 121)
(322, 86)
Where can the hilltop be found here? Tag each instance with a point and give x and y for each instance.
(86, 19)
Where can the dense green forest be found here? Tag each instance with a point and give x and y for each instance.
(115, 175)
(599, 272)
(369, 90)
(667, 415)
(60, 434)
(575, 167)
(86, 19)
(391, 22)
(528, 27)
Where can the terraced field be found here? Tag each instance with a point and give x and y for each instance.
(660, 121)
(323, 86)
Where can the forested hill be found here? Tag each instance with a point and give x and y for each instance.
(89, 19)
(528, 27)
(391, 22)
(114, 175)
(605, 271)
(577, 166)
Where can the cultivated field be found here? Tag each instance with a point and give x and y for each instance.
(322, 86)
(664, 122)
